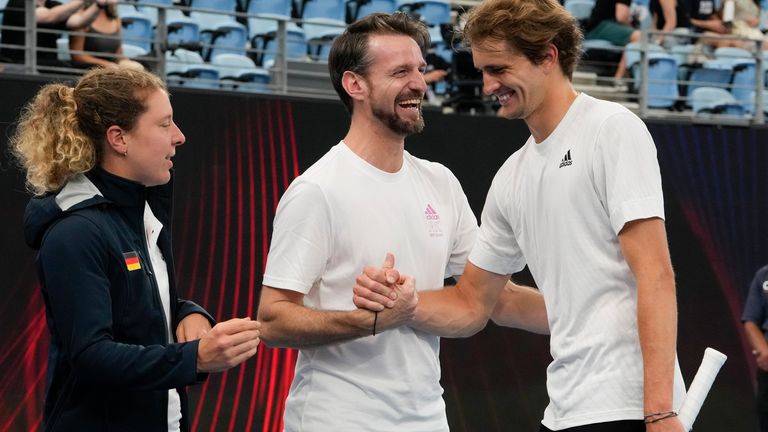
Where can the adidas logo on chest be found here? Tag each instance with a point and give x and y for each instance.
(566, 160)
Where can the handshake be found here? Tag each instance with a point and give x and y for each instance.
(386, 292)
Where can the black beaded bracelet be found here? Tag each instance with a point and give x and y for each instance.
(658, 416)
(375, 319)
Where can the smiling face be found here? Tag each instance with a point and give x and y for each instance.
(152, 142)
(519, 84)
(395, 82)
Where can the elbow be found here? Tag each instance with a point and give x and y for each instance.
(269, 338)
(269, 333)
(475, 323)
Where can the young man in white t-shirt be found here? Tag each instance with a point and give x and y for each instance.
(358, 370)
(581, 204)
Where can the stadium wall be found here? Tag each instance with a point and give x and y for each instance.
(241, 153)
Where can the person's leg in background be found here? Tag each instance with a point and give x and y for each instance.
(762, 399)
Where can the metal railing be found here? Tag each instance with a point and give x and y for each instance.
(309, 78)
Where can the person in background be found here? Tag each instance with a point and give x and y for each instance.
(755, 319)
(52, 18)
(123, 345)
(100, 43)
(611, 20)
(667, 15)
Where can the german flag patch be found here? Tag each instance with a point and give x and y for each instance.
(132, 261)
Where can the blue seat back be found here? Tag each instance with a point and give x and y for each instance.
(278, 7)
(662, 81)
(332, 9)
(296, 47)
(715, 100)
(137, 30)
(713, 73)
(371, 6)
(580, 9)
(432, 12)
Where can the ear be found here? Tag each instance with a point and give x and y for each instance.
(116, 139)
(354, 85)
(551, 57)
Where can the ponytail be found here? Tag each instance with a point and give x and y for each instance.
(49, 142)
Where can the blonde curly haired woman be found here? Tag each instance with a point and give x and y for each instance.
(123, 346)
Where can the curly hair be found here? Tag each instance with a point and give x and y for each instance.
(62, 131)
(528, 26)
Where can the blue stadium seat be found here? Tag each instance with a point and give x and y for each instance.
(149, 9)
(432, 12)
(137, 30)
(184, 67)
(361, 8)
(133, 51)
(713, 73)
(715, 100)
(227, 38)
(320, 33)
(744, 74)
(439, 46)
(632, 52)
(732, 53)
(662, 80)
(279, 7)
(266, 44)
(326, 9)
(240, 73)
(580, 9)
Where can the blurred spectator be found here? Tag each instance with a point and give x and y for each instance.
(52, 18)
(755, 319)
(611, 20)
(746, 21)
(667, 15)
(706, 21)
(100, 43)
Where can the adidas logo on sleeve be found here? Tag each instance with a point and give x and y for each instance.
(566, 160)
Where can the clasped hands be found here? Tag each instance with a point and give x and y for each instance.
(385, 291)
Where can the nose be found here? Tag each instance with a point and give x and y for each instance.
(418, 83)
(178, 136)
(490, 84)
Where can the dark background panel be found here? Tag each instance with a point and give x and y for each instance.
(242, 152)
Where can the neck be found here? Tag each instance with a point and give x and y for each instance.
(375, 143)
(552, 109)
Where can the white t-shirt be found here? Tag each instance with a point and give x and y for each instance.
(558, 206)
(339, 216)
(152, 227)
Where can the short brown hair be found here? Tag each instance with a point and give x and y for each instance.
(527, 26)
(350, 50)
(62, 131)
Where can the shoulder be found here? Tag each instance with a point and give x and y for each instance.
(605, 117)
(76, 233)
(602, 111)
(426, 166)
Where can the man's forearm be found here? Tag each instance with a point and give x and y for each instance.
(755, 336)
(449, 313)
(521, 307)
(657, 327)
(294, 326)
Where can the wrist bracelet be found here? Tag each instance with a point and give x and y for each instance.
(658, 416)
(375, 319)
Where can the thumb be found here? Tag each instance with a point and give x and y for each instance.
(389, 261)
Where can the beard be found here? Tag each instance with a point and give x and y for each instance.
(397, 124)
